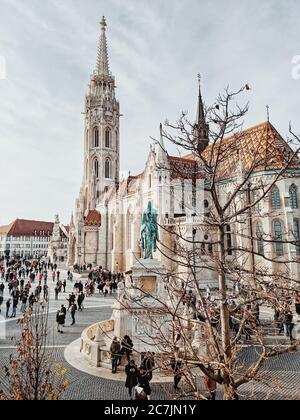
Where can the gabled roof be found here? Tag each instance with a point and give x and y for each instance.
(22, 227)
(183, 168)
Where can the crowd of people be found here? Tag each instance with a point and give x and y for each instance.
(26, 282)
(245, 319)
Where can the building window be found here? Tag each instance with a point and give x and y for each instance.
(260, 241)
(96, 137)
(107, 138)
(278, 239)
(183, 196)
(296, 232)
(96, 168)
(293, 197)
(150, 181)
(107, 169)
(275, 198)
(172, 201)
(229, 240)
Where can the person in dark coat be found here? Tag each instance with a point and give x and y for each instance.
(176, 365)
(115, 354)
(80, 300)
(73, 310)
(132, 374)
(127, 346)
(60, 320)
(144, 383)
(148, 365)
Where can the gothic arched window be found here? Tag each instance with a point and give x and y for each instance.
(278, 238)
(107, 169)
(107, 138)
(96, 168)
(296, 232)
(96, 137)
(293, 197)
(275, 198)
(229, 239)
(260, 241)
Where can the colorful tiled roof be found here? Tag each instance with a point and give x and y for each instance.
(260, 148)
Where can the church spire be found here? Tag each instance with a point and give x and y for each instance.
(200, 118)
(102, 65)
(201, 129)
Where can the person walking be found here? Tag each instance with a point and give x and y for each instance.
(24, 303)
(64, 311)
(73, 310)
(2, 287)
(80, 300)
(176, 365)
(132, 374)
(144, 383)
(64, 285)
(115, 354)
(8, 305)
(56, 291)
(60, 320)
(289, 325)
(148, 365)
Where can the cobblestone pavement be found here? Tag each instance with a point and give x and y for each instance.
(280, 378)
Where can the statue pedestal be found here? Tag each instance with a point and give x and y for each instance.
(138, 311)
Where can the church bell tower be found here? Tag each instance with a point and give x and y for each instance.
(102, 119)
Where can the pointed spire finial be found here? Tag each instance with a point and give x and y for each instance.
(268, 113)
(102, 65)
(201, 128)
(200, 110)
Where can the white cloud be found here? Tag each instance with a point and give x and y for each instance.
(156, 49)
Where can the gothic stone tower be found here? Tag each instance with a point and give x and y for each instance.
(102, 116)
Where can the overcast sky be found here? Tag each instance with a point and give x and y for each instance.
(156, 49)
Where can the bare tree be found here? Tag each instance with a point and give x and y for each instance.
(32, 373)
(256, 268)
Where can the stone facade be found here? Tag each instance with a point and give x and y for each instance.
(105, 229)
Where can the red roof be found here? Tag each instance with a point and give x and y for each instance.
(184, 168)
(93, 218)
(27, 228)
